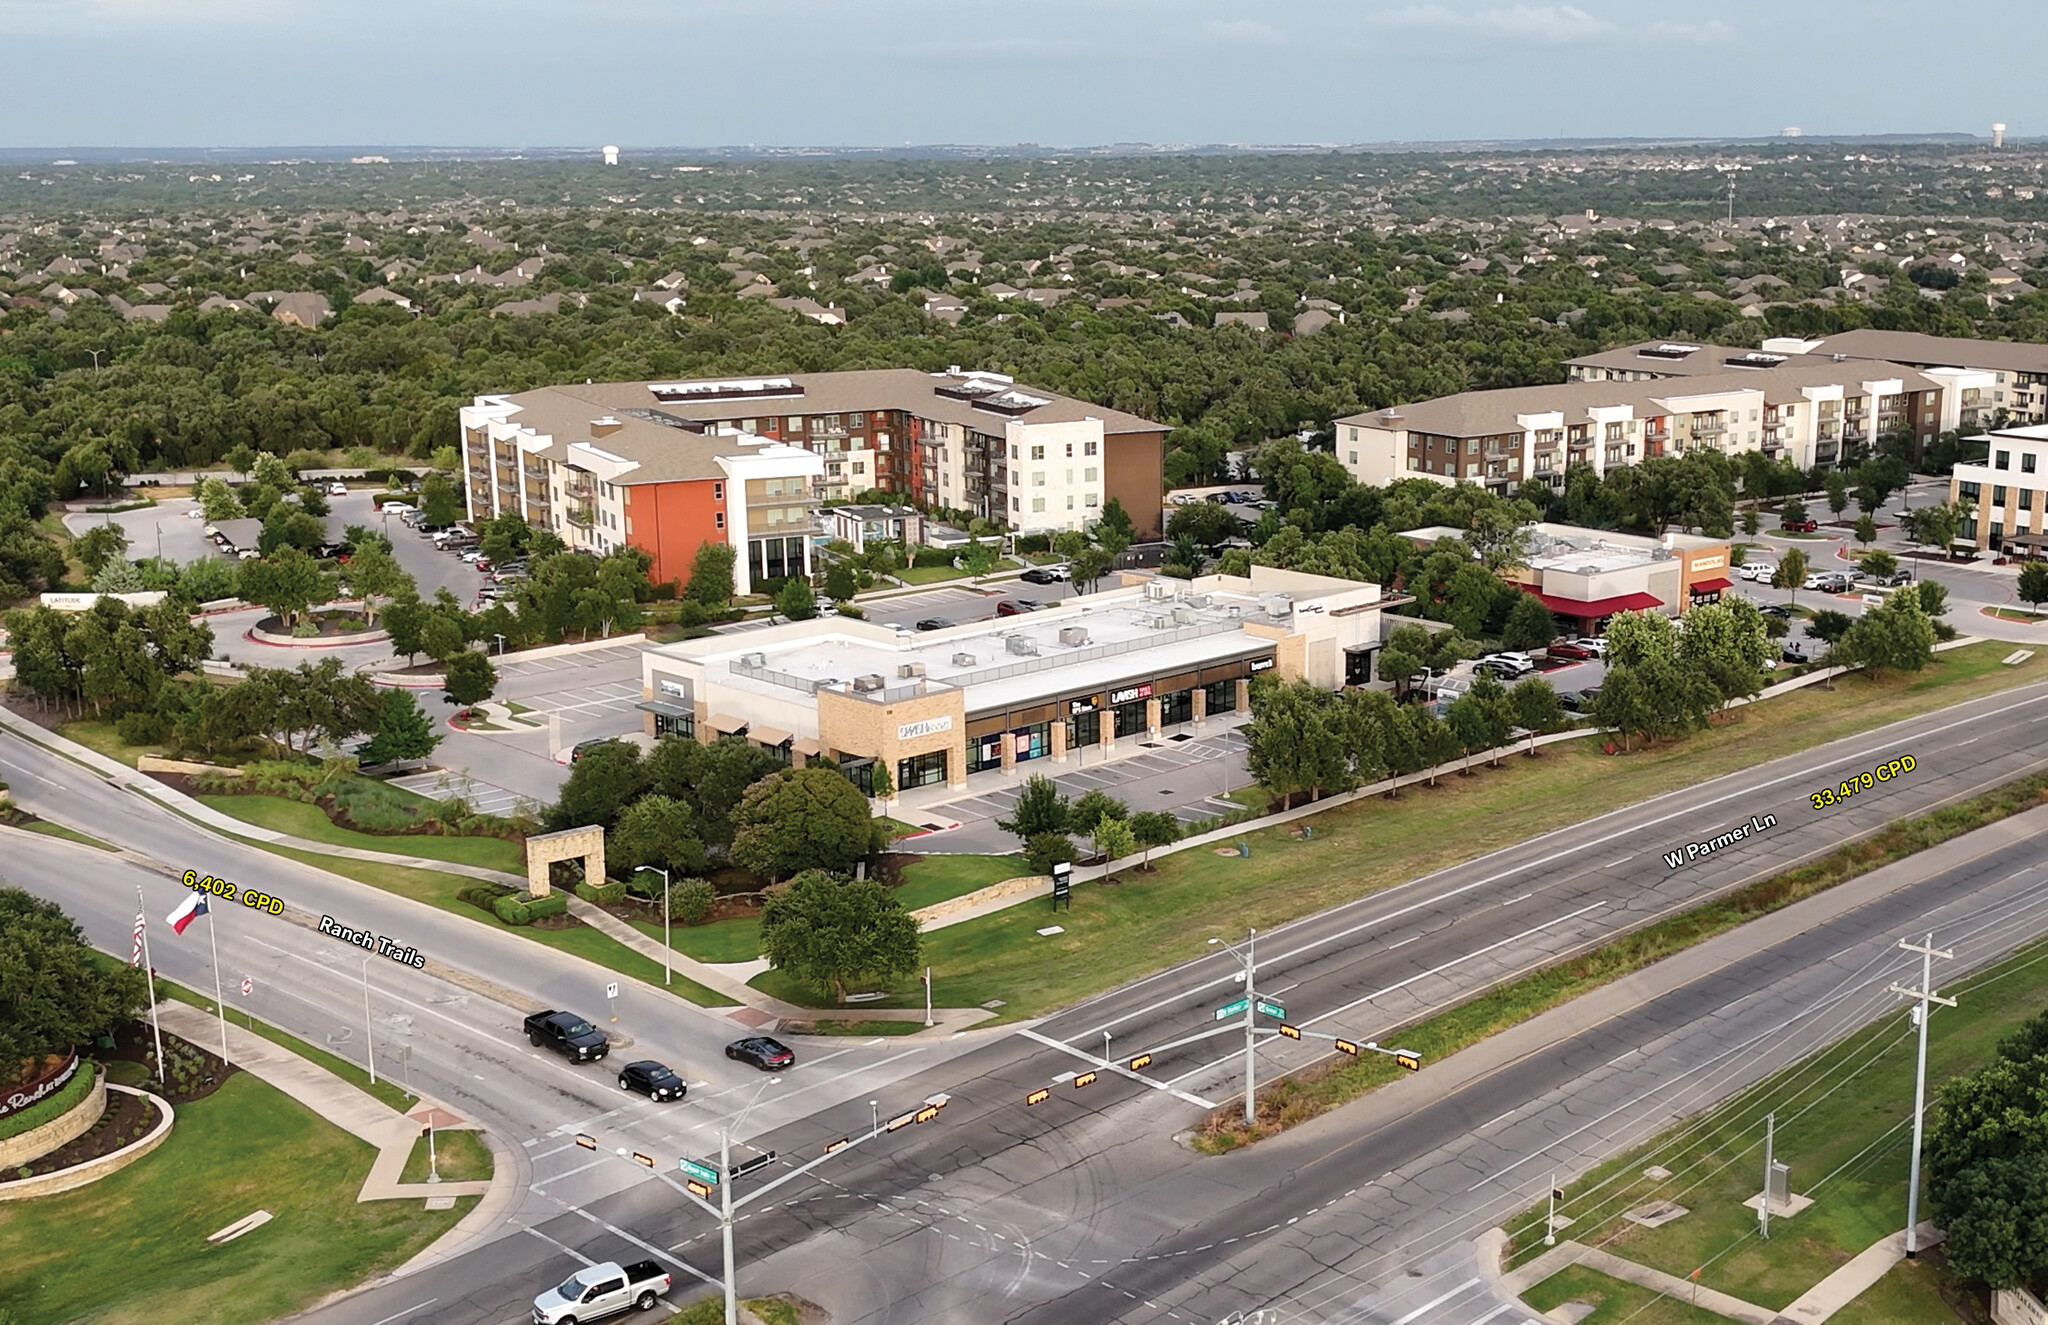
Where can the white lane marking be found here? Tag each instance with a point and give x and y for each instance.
(545, 1183)
(562, 1246)
(1523, 898)
(407, 1312)
(1428, 1307)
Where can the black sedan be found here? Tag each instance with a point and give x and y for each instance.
(652, 1079)
(934, 623)
(1045, 575)
(770, 1055)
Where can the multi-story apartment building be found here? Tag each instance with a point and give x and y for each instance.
(667, 466)
(1813, 413)
(2005, 496)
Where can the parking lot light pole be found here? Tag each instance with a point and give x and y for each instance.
(665, 949)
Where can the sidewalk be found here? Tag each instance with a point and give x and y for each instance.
(359, 1114)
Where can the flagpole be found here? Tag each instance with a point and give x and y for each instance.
(149, 971)
(220, 1004)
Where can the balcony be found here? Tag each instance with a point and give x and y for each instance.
(580, 516)
(1709, 429)
(578, 489)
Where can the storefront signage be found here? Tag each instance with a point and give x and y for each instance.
(1133, 693)
(1261, 665)
(1076, 707)
(48, 1086)
(910, 731)
(676, 688)
(1715, 562)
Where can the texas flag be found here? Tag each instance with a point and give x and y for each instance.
(188, 911)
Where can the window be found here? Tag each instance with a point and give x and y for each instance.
(857, 420)
(2004, 460)
(1037, 505)
(747, 425)
(1070, 450)
(1013, 452)
(1354, 435)
(1354, 454)
(1037, 478)
(720, 520)
(860, 466)
(2026, 462)
(1088, 475)
(1091, 501)
(921, 770)
(1070, 478)
(1070, 501)
(1014, 480)
(718, 492)
(2026, 499)
(1088, 448)
(1016, 504)
(796, 423)
(1038, 453)
(830, 423)
(1471, 446)
(1414, 462)
(1998, 496)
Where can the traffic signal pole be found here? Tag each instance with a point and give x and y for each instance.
(1251, 1013)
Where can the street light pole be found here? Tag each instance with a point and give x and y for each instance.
(1925, 996)
(666, 977)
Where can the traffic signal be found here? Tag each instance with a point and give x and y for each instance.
(698, 1189)
(1291, 1032)
(1346, 1047)
(1142, 1060)
(1039, 1096)
(840, 1144)
(647, 1160)
(1407, 1060)
(587, 1142)
(926, 1114)
(1085, 1079)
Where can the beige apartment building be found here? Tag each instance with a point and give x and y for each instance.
(2005, 495)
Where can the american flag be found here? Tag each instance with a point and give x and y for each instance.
(135, 955)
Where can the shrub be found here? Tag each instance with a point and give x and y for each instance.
(691, 900)
(1029, 543)
(1045, 850)
(539, 908)
(513, 910)
(141, 728)
(484, 896)
(932, 556)
(609, 893)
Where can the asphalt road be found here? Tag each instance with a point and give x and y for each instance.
(1057, 1193)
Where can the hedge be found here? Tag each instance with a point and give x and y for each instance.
(51, 1107)
(554, 904)
(484, 896)
(512, 910)
(609, 893)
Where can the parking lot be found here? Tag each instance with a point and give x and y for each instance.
(483, 797)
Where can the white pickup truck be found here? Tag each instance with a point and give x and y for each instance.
(597, 1291)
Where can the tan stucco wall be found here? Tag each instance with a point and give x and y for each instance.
(65, 1180)
(861, 727)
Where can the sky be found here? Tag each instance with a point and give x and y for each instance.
(678, 73)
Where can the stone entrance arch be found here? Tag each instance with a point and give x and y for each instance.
(547, 848)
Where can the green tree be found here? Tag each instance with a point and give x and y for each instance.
(1480, 717)
(1751, 522)
(1042, 851)
(2033, 585)
(54, 993)
(1114, 839)
(600, 786)
(287, 582)
(99, 545)
(660, 831)
(1838, 492)
(832, 934)
(1624, 705)
(1296, 742)
(1878, 564)
(1937, 525)
(884, 785)
(840, 582)
(795, 599)
(1828, 626)
(1933, 598)
(1534, 705)
(1634, 638)
(1411, 650)
(1893, 637)
(405, 621)
(1791, 511)
(1115, 530)
(470, 679)
(1040, 808)
(1432, 740)
(711, 578)
(1866, 529)
(439, 503)
(1089, 810)
(1154, 829)
(1089, 565)
(1727, 644)
(1530, 624)
(979, 558)
(404, 731)
(1791, 573)
(802, 819)
(712, 778)
(375, 574)
(217, 501)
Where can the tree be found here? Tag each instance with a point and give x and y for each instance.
(1432, 740)
(470, 679)
(287, 583)
(711, 575)
(1085, 814)
(1635, 638)
(795, 599)
(1828, 626)
(1295, 742)
(53, 991)
(1114, 839)
(1751, 522)
(841, 583)
(1623, 705)
(99, 545)
(1412, 649)
(1937, 525)
(1893, 637)
(802, 819)
(1152, 829)
(1933, 598)
(439, 503)
(1986, 1163)
(1866, 529)
(1791, 511)
(217, 501)
(118, 577)
(1727, 644)
(1838, 492)
(404, 731)
(834, 933)
(1534, 705)
(1045, 850)
(405, 621)
(712, 778)
(1878, 564)
(979, 558)
(1791, 573)
(1530, 624)
(374, 573)
(2033, 586)
(1115, 530)
(660, 831)
(1040, 808)
(1480, 717)
(288, 526)
(600, 786)
(1089, 565)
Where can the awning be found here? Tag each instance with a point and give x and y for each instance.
(768, 735)
(808, 748)
(661, 708)
(1714, 585)
(725, 722)
(1599, 607)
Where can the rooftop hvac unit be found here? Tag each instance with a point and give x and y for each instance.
(1660, 554)
(1160, 621)
(1157, 591)
(1278, 605)
(1183, 615)
(963, 660)
(753, 660)
(1073, 637)
(905, 671)
(1198, 600)
(1234, 611)
(1022, 645)
(863, 684)
(1589, 570)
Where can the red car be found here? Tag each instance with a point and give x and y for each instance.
(1569, 649)
(1800, 526)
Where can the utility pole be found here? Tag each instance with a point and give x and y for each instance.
(1550, 1220)
(1925, 995)
(1763, 1206)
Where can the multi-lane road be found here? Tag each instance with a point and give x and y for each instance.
(1056, 1212)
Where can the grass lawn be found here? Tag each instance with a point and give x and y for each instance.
(461, 1157)
(101, 737)
(438, 890)
(897, 828)
(48, 829)
(310, 822)
(711, 1311)
(735, 940)
(2014, 614)
(1843, 1124)
(1149, 921)
(145, 1258)
(862, 1028)
(385, 1090)
(929, 574)
(1913, 1291)
(1614, 1300)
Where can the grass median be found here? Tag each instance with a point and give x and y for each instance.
(311, 823)
(1149, 921)
(1333, 1082)
(131, 1248)
(1843, 1124)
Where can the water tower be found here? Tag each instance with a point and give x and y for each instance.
(611, 154)
(1997, 135)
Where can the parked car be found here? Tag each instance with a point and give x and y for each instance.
(1893, 580)
(1220, 498)
(1507, 665)
(1572, 701)
(654, 1080)
(601, 1290)
(764, 1052)
(1778, 610)
(568, 1035)
(1792, 653)
(337, 489)
(1046, 575)
(1757, 570)
(1017, 606)
(1806, 526)
(475, 557)
(582, 748)
(1827, 581)
(1185, 499)
(1572, 649)
(396, 507)
(934, 623)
